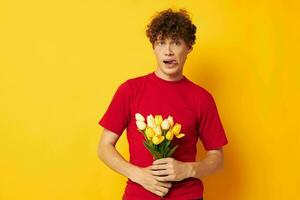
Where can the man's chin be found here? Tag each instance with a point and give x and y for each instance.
(171, 69)
(171, 72)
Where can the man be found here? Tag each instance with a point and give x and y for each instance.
(166, 91)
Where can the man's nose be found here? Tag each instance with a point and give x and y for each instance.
(168, 50)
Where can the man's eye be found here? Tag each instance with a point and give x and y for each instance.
(161, 42)
(177, 43)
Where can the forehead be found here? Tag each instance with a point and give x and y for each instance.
(168, 38)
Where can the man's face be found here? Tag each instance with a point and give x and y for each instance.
(171, 55)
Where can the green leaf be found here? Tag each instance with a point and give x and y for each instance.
(144, 133)
(166, 144)
(166, 148)
(148, 146)
(172, 151)
(160, 149)
(162, 146)
(152, 151)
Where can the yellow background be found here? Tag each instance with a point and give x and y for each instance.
(61, 62)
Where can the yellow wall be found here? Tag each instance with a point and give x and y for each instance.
(61, 62)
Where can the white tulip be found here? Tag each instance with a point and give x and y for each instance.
(150, 121)
(139, 117)
(141, 125)
(165, 125)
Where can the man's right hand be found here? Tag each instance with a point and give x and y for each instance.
(144, 177)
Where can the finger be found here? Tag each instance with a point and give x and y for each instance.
(161, 161)
(164, 178)
(160, 172)
(159, 193)
(162, 189)
(165, 184)
(159, 167)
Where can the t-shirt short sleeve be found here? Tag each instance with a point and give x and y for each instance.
(116, 117)
(211, 131)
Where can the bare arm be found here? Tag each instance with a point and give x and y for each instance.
(169, 169)
(113, 159)
(212, 163)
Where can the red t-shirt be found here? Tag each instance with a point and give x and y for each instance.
(190, 105)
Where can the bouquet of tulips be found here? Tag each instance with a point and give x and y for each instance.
(158, 133)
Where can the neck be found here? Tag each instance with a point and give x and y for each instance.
(173, 77)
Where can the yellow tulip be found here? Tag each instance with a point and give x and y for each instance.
(180, 135)
(170, 119)
(157, 139)
(169, 135)
(158, 120)
(176, 129)
(149, 133)
(157, 130)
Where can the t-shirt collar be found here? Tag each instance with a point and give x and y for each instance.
(161, 80)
